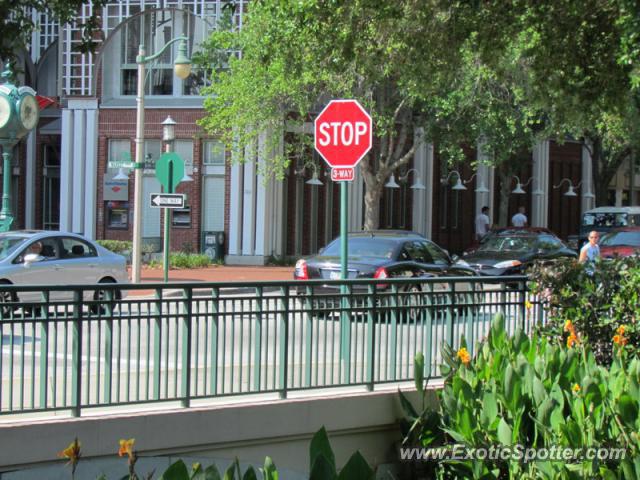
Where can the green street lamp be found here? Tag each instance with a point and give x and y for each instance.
(182, 69)
(19, 114)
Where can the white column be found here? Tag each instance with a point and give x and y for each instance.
(66, 169)
(587, 196)
(420, 211)
(249, 202)
(263, 209)
(235, 209)
(91, 173)
(30, 180)
(428, 198)
(485, 176)
(540, 172)
(78, 184)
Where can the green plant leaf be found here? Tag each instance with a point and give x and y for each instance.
(407, 407)
(489, 410)
(322, 469)
(627, 408)
(230, 473)
(269, 471)
(539, 392)
(505, 433)
(418, 372)
(356, 467)
(250, 474)
(212, 473)
(321, 448)
(176, 471)
(628, 470)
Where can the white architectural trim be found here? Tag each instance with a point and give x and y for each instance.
(91, 173)
(485, 175)
(30, 181)
(66, 170)
(78, 183)
(587, 195)
(235, 209)
(420, 211)
(540, 172)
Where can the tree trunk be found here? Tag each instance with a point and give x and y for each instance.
(372, 207)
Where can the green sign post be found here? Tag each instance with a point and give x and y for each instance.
(169, 172)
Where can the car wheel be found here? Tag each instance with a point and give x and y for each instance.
(7, 297)
(412, 301)
(100, 298)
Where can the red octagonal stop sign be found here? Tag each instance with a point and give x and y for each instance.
(343, 133)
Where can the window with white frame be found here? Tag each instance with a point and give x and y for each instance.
(214, 152)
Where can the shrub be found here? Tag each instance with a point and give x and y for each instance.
(116, 246)
(184, 260)
(595, 304)
(532, 392)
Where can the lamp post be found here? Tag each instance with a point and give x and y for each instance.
(19, 114)
(182, 69)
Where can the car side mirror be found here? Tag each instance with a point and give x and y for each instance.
(455, 258)
(31, 258)
(321, 250)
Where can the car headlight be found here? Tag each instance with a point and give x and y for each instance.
(508, 263)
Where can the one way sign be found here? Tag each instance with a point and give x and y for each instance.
(167, 200)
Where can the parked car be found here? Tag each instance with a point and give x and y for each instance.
(31, 257)
(622, 242)
(510, 251)
(380, 254)
(604, 220)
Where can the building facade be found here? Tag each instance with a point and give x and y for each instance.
(62, 178)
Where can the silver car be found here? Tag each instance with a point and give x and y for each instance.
(32, 257)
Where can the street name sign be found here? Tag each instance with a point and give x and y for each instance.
(167, 200)
(121, 164)
(343, 133)
(342, 174)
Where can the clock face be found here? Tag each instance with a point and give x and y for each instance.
(29, 112)
(5, 111)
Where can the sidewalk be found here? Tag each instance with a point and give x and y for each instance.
(219, 273)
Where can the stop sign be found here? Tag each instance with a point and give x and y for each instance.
(343, 133)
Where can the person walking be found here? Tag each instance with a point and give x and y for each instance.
(519, 219)
(590, 252)
(483, 223)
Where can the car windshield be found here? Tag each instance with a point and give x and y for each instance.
(631, 239)
(507, 244)
(605, 220)
(9, 244)
(362, 247)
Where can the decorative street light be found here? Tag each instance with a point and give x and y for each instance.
(458, 185)
(417, 184)
(182, 69)
(19, 114)
(521, 191)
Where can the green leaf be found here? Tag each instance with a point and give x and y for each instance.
(269, 471)
(627, 408)
(176, 471)
(489, 410)
(628, 470)
(322, 469)
(407, 406)
(321, 448)
(418, 371)
(505, 435)
(250, 474)
(212, 473)
(230, 473)
(356, 467)
(539, 392)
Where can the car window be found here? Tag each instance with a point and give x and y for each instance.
(438, 256)
(631, 239)
(48, 249)
(9, 244)
(549, 243)
(76, 248)
(507, 244)
(363, 247)
(417, 252)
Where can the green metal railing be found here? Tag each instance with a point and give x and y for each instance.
(79, 347)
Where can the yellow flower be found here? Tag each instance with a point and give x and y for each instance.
(572, 340)
(464, 356)
(620, 330)
(72, 452)
(576, 388)
(528, 305)
(620, 340)
(126, 447)
(568, 326)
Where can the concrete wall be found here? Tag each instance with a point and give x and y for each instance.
(282, 429)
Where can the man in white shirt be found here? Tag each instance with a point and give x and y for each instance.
(519, 219)
(483, 224)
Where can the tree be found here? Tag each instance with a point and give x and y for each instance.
(17, 22)
(392, 56)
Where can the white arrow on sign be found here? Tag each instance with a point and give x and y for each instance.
(167, 200)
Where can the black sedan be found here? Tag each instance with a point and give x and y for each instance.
(510, 251)
(380, 254)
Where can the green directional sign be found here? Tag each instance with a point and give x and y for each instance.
(123, 162)
(170, 171)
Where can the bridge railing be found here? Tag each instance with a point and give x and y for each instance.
(89, 346)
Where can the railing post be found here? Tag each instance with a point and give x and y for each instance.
(371, 336)
(44, 350)
(76, 354)
(215, 313)
(257, 349)
(157, 344)
(452, 297)
(393, 337)
(429, 340)
(522, 295)
(308, 317)
(186, 347)
(108, 347)
(345, 332)
(284, 341)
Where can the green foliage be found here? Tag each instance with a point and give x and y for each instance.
(595, 304)
(535, 392)
(184, 260)
(116, 246)
(322, 465)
